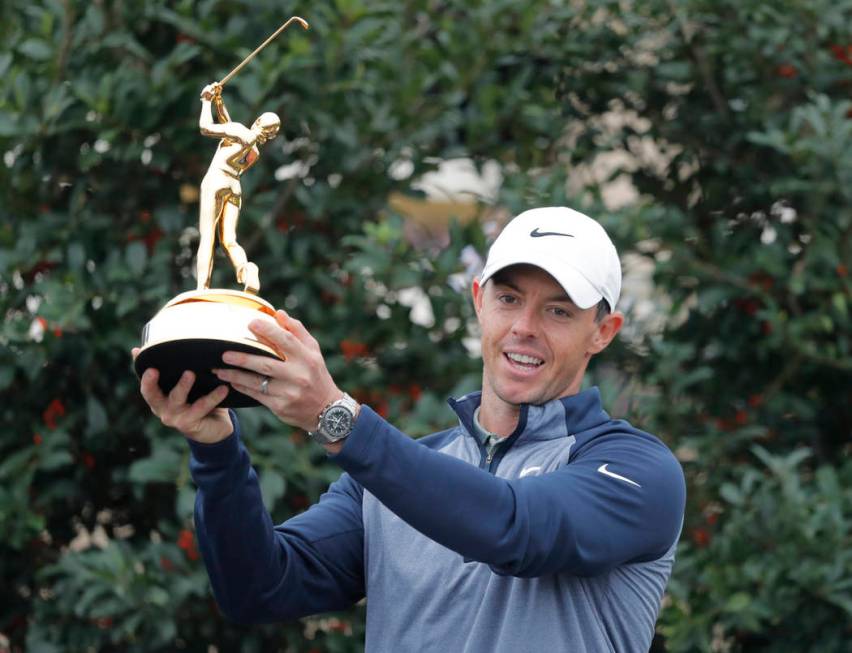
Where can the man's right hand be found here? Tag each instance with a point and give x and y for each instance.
(201, 421)
(211, 91)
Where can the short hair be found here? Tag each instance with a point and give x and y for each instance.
(268, 119)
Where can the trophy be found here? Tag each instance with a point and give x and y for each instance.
(194, 329)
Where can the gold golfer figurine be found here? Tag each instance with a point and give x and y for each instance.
(221, 195)
(192, 330)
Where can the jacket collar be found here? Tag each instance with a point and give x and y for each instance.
(555, 419)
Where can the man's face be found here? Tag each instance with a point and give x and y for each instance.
(266, 134)
(536, 342)
(265, 131)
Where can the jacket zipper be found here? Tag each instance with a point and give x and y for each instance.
(485, 458)
(490, 456)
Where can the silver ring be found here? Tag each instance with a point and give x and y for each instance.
(264, 386)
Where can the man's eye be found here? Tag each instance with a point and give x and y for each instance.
(507, 299)
(560, 312)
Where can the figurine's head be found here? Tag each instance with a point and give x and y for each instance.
(267, 126)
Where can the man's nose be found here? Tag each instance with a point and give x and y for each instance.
(526, 323)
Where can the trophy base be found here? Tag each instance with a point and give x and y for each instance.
(193, 330)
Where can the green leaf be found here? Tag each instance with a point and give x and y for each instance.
(158, 596)
(96, 416)
(76, 256)
(136, 257)
(163, 466)
(9, 126)
(185, 505)
(738, 602)
(55, 459)
(731, 494)
(272, 486)
(36, 49)
(7, 374)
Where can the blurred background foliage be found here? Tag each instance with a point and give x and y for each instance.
(727, 127)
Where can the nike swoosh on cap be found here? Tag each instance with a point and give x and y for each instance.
(535, 233)
(603, 470)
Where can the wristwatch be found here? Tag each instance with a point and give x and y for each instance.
(336, 421)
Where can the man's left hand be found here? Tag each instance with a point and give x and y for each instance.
(298, 387)
(211, 91)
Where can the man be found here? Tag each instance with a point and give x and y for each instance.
(221, 194)
(536, 524)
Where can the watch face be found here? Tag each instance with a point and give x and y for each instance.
(337, 422)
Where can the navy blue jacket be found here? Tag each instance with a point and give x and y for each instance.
(563, 541)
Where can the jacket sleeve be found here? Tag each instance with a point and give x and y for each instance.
(576, 519)
(260, 572)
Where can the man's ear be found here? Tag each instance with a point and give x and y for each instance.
(606, 330)
(476, 292)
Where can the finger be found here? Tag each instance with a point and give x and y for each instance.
(243, 378)
(254, 393)
(150, 390)
(295, 327)
(283, 318)
(263, 365)
(178, 395)
(275, 336)
(203, 406)
(135, 352)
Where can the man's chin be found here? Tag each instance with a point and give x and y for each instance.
(521, 396)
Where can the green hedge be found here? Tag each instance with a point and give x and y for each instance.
(737, 122)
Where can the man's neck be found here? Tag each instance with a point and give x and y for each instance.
(497, 416)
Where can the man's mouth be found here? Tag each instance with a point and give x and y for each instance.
(523, 360)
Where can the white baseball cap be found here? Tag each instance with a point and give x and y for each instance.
(570, 246)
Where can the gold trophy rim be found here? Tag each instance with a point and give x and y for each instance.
(210, 295)
(165, 340)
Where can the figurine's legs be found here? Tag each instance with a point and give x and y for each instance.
(210, 213)
(247, 272)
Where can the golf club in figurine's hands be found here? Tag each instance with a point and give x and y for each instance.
(194, 329)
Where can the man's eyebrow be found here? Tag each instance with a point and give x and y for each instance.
(561, 297)
(505, 282)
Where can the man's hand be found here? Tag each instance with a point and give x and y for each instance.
(299, 387)
(201, 421)
(211, 91)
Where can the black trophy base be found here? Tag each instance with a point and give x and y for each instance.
(199, 356)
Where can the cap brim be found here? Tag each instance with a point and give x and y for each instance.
(581, 292)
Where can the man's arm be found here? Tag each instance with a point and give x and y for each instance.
(311, 563)
(260, 572)
(574, 520)
(225, 128)
(221, 111)
(205, 120)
